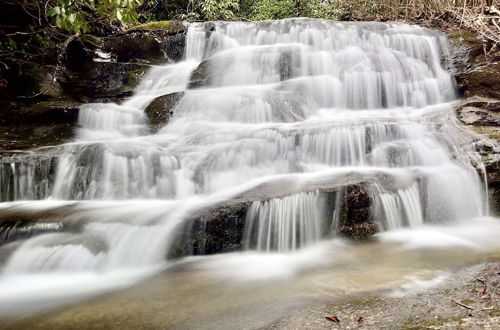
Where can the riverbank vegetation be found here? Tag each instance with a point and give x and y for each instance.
(39, 31)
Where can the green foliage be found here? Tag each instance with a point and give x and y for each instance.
(273, 9)
(278, 9)
(328, 9)
(212, 10)
(76, 16)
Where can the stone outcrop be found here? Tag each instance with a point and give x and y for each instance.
(356, 220)
(478, 80)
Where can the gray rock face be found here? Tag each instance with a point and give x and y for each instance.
(478, 79)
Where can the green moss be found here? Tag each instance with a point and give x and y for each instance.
(494, 312)
(467, 301)
(420, 324)
(168, 26)
(360, 231)
(458, 36)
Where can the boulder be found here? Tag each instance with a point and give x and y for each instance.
(200, 75)
(160, 110)
(217, 229)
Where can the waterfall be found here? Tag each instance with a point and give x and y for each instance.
(284, 224)
(318, 103)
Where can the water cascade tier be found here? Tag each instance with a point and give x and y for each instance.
(280, 127)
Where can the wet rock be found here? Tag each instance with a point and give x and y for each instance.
(30, 125)
(27, 175)
(477, 72)
(492, 166)
(483, 80)
(26, 82)
(200, 75)
(43, 112)
(19, 230)
(102, 81)
(356, 217)
(160, 110)
(479, 111)
(23, 137)
(482, 115)
(221, 228)
(216, 230)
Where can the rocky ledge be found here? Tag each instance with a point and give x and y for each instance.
(478, 81)
(40, 101)
(222, 228)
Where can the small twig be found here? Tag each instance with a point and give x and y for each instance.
(30, 97)
(462, 305)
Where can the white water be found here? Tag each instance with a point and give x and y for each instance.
(288, 105)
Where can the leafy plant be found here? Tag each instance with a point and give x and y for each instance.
(77, 15)
(273, 9)
(213, 10)
(330, 9)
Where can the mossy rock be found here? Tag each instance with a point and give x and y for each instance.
(135, 47)
(359, 231)
(153, 45)
(160, 110)
(200, 75)
(170, 27)
(461, 36)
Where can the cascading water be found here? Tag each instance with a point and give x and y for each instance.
(309, 100)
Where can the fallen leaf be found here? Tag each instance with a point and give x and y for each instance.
(333, 319)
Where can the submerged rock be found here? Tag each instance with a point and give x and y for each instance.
(160, 110)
